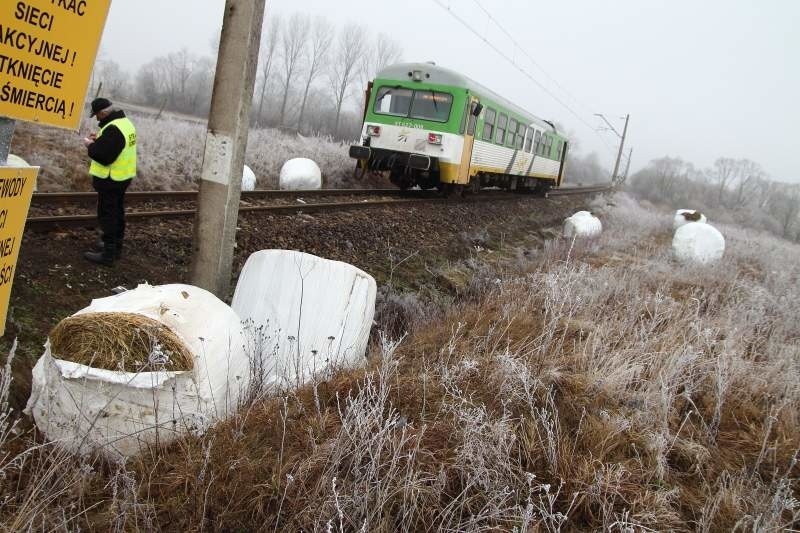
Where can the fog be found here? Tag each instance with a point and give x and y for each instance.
(701, 80)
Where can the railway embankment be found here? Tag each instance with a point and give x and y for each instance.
(522, 381)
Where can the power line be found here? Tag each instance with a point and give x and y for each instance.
(524, 72)
(529, 56)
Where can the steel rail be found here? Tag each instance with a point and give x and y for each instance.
(45, 222)
(46, 198)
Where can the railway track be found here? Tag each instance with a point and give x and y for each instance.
(405, 198)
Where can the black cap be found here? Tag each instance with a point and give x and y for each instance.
(98, 104)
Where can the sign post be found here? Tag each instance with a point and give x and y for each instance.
(47, 53)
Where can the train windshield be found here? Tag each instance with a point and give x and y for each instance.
(393, 101)
(431, 105)
(424, 104)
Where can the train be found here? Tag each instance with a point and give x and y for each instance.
(431, 127)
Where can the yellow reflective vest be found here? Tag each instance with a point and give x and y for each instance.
(124, 167)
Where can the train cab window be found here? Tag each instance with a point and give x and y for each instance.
(502, 124)
(538, 145)
(431, 105)
(529, 140)
(511, 138)
(394, 101)
(520, 136)
(488, 124)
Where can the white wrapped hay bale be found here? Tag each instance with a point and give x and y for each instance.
(582, 224)
(314, 313)
(300, 174)
(697, 242)
(684, 216)
(248, 179)
(116, 406)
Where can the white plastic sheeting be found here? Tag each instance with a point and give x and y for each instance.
(313, 313)
(87, 409)
(16, 161)
(698, 242)
(300, 174)
(582, 224)
(248, 179)
(681, 220)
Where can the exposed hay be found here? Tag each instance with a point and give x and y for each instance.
(692, 216)
(119, 341)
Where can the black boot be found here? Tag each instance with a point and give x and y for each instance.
(106, 257)
(99, 246)
(99, 257)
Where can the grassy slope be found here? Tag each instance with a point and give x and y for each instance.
(587, 387)
(171, 154)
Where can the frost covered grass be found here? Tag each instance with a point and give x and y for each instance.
(595, 386)
(171, 154)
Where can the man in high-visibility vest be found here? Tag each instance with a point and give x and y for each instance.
(113, 154)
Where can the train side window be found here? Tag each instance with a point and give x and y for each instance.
(502, 123)
(549, 150)
(538, 146)
(529, 140)
(511, 138)
(520, 135)
(488, 124)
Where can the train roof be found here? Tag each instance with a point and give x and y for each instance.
(444, 76)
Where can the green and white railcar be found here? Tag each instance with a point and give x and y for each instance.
(432, 127)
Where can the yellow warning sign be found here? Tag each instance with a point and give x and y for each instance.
(47, 52)
(16, 188)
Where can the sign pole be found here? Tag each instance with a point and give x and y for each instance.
(226, 139)
(6, 134)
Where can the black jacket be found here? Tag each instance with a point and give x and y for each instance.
(106, 149)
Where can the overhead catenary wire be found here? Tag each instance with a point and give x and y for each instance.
(522, 70)
(529, 56)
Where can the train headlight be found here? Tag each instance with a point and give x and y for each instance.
(374, 131)
(434, 138)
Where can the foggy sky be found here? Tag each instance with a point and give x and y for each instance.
(701, 79)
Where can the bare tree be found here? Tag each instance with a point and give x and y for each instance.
(345, 66)
(321, 39)
(384, 51)
(269, 44)
(748, 173)
(113, 78)
(723, 174)
(293, 44)
(787, 208)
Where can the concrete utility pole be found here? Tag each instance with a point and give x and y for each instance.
(226, 139)
(622, 136)
(627, 166)
(614, 176)
(6, 133)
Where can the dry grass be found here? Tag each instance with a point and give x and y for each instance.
(125, 342)
(588, 387)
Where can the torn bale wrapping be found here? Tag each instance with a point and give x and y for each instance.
(685, 216)
(124, 342)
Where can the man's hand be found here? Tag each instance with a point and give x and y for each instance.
(87, 141)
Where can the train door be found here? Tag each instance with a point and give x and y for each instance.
(563, 163)
(469, 142)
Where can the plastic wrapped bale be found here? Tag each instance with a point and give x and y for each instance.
(582, 224)
(697, 242)
(311, 313)
(684, 216)
(16, 161)
(300, 174)
(139, 368)
(248, 179)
